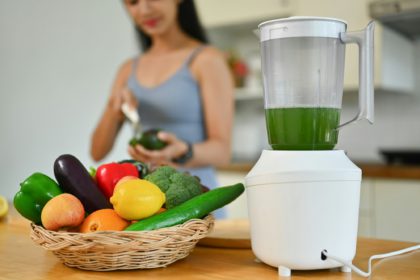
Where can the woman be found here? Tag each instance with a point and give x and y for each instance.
(180, 85)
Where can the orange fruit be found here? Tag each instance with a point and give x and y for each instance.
(104, 219)
(161, 210)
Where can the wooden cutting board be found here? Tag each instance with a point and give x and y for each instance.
(230, 233)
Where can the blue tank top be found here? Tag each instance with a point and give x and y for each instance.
(175, 106)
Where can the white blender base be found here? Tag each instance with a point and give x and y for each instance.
(287, 272)
(284, 271)
(345, 269)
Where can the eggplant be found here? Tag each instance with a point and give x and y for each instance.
(74, 178)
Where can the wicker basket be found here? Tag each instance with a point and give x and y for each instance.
(122, 250)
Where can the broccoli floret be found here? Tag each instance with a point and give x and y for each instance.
(161, 177)
(182, 188)
(177, 186)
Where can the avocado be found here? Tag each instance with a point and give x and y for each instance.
(149, 140)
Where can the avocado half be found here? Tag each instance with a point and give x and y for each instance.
(149, 140)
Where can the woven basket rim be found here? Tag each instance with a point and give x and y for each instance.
(208, 218)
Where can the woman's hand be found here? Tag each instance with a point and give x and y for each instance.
(110, 123)
(119, 98)
(174, 149)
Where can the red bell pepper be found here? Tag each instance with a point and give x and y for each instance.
(108, 175)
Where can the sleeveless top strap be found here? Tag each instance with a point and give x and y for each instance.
(194, 53)
(190, 58)
(135, 63)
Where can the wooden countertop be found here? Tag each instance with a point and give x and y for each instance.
(368, 170)
(22, 259)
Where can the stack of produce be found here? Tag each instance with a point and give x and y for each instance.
(116, 196)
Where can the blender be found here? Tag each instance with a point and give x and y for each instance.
(303, 196)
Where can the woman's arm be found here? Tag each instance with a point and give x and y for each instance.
(106, 131)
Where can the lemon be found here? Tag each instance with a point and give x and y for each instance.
(137, 199)
(4, 206)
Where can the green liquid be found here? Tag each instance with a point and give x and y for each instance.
(302, 128)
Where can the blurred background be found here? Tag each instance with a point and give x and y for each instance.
(58, 60)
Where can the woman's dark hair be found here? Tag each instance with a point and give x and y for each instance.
(188, 21)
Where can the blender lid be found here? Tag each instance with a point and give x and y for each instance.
(301, 27)
(300, 18)
(302, 166)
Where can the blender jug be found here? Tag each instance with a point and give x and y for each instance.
(303, 73)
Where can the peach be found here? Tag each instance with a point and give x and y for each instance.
(64, 210)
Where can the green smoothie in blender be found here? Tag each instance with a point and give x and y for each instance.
(307, 128)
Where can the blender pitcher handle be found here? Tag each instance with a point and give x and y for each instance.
(364, 40)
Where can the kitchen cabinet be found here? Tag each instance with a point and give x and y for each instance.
(366, 209)
(395, 55)
(397, 209)
(390, 209)
(221, 13)
(394, 61)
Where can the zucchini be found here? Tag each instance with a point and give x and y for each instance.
(195, 208)
(74, 178)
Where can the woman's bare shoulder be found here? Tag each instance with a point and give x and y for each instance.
(123, 73)
(124, 70)
(209, 59)
(126, 66)
(210, 53)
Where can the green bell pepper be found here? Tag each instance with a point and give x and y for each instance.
(34, 193)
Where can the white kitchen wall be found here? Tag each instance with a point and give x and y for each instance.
(396, 126)
(57, 63)
(249, 132)
(417, 63)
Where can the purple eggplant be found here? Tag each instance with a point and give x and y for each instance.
(74, 178)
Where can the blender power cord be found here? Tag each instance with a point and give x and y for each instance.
(325, 255)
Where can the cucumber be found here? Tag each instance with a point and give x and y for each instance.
(195, 208)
